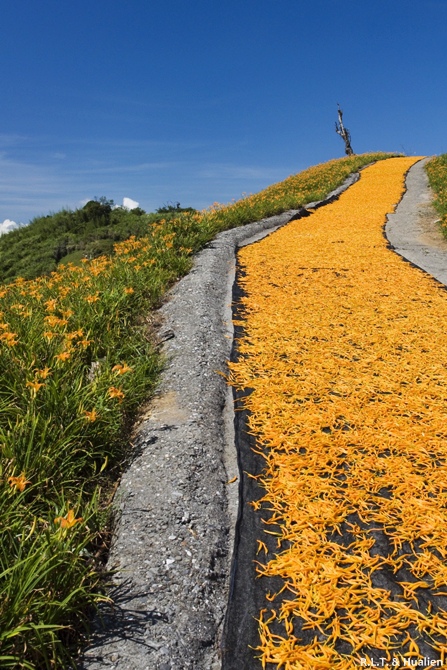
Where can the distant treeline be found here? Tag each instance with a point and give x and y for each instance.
(68, 236)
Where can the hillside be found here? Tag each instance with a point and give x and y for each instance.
(69, 236)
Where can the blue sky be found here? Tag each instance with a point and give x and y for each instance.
(201, 101)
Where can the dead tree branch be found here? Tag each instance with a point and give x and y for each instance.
(344, 133)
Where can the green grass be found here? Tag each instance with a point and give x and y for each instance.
(69, 236)
(76, 360)
(437, 176)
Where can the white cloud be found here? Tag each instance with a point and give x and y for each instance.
(8, 225)
(128, 203)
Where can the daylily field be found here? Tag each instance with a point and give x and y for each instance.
(343, 350)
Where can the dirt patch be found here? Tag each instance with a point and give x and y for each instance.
(429, 226)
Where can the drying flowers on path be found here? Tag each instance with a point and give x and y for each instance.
(342, 355)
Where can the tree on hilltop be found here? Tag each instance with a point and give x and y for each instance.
(343, 132)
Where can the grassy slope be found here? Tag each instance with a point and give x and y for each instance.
(69, 236)
(437, 175)
(76, 360)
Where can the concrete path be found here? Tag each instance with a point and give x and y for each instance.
(413, 231)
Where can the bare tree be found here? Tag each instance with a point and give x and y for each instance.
(343, 132)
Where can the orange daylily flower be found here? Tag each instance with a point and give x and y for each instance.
(10, 338)
(63, 356)
(116, 393)
(68, 521)
(35, 385)
(91, 415)
(84, 343)
(122, 368)
(51, 304)
(44, 373)
(53, 320)
(19, 483)
(92, 298)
